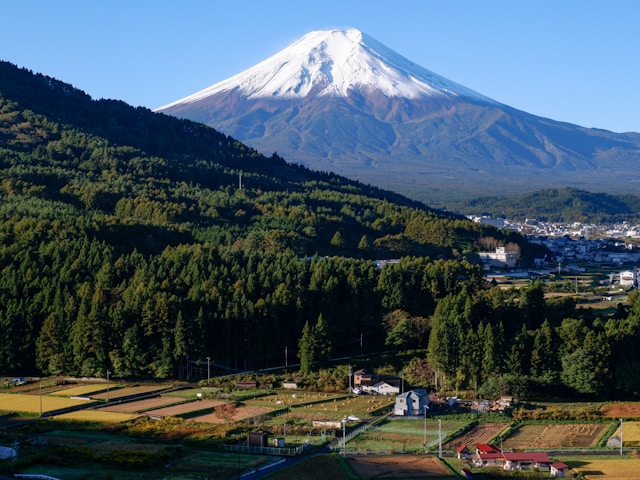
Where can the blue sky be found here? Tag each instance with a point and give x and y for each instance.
(571, 60)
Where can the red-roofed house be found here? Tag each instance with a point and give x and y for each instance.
(487, 448)
(559, 470)
(463, 452)
(511, 460)
(526, 460)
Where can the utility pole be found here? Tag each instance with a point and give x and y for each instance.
(344, 439)
(41, 401)
(108, 372)
(208, 370)
(439, 438)
(620, 437)
(425, 429)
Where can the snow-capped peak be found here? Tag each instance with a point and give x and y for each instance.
(332, 62)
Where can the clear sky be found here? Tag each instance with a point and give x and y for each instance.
(571, 60)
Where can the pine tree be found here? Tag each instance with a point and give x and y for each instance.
(322, 340)
(306, 349)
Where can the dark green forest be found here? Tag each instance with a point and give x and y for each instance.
(557, 205)
(135, 242)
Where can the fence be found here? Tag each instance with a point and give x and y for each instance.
(280, 451)
(33, 475)
(341, 444)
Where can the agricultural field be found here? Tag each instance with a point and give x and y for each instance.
(569, 435)
(230, 413)
(403, 436)
(104, 457)
(128, 391)
(605, 467)
(630, 434)
(186, 408)
(319, 467)
(141, 405)
(97, 416)
(482, 433)
(32, 404)
(361, 406)
(621, 410)
(381, 467)
(286, 398)
(82, 390)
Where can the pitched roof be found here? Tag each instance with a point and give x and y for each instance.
(484, 448)
(536, 457)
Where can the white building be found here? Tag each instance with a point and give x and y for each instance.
(500, 258)
(412, 403)
(628, 279)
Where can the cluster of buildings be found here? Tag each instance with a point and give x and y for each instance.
(416, 403)
(486, 456)
(568, 243)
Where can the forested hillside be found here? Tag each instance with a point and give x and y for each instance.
(557, 205)
(128, 245)
(128, 242)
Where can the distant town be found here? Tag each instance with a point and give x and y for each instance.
(573, 246)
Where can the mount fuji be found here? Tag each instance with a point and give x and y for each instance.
(341, 101)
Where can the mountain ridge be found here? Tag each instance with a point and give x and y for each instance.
(430, 148)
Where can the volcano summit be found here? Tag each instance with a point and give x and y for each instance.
(341, 101)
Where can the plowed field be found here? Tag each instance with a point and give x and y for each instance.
(185, 408)
(555, 436)
(404, 466)
(621, 410)
(482, 433)
(235, 415)
(141, 405)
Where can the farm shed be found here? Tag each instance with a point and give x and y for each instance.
(246, 385)
(258, 439)
(7, 453)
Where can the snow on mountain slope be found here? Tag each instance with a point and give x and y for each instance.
(331, 63)
(340, 101)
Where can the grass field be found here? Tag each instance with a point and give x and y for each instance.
(182, 463)
(286, 398)
(605, 467)
(23, 403)
(400, 436)
(338, 408)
